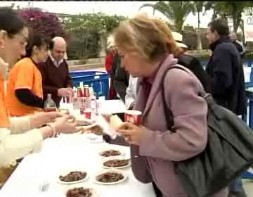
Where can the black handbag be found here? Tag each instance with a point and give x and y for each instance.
(228, 153)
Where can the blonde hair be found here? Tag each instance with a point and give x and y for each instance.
(149, 37)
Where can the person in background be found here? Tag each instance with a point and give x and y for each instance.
(56, 79)
(20, 136)
(131, 92)
(24, 88)
(146, 53)
(189, 61)
(109, 60)
(237, 44)
(121, 79)
(227, 78)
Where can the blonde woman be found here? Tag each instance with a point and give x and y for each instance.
(147, 53)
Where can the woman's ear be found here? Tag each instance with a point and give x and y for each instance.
(3, 35)
(35, 50)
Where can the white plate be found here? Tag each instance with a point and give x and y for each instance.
(93, 191)
(107, 149)
(72, 182)
(111, 183)
(112, 158)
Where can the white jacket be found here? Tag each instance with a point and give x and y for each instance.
(18, 141)
(131, 91)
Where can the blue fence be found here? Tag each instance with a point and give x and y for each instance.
(98, 80)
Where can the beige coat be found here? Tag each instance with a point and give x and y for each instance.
(18, 141)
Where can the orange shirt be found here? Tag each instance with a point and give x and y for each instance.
(24, 74)
(4, 117)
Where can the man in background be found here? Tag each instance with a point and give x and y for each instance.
(237, 44)
(227, 79)
(56, 79)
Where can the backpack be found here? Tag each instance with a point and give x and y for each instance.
(228, 152)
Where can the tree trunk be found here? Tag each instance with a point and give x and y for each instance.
(199, 44)
(103, 42)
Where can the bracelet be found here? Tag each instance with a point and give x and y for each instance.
(53, 129)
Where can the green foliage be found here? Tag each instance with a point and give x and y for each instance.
(95, 22)
(232, 9)
(176, 11)
(86, 32)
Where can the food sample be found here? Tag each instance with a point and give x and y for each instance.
(115, 122)
(116, 163)
(73, 176)
(79, 192)
(109, 153)
(96, 130)
(110, 177)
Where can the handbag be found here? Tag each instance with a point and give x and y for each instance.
(228, 153)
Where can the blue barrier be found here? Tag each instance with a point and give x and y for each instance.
(98, 80)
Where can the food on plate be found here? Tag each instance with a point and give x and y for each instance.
(73, 176)
(79, 192)
(116, 163)
(109, 177)
(109, 153)
(96, 129)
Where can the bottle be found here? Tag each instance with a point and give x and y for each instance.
(49, 104)
(75, 100)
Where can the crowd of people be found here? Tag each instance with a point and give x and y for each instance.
(23, 124)
(139, 63)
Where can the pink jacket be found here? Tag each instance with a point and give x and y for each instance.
(153, 159)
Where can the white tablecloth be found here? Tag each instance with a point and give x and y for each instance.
(65, 153)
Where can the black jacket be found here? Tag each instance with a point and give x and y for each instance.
(121, 79)
(193, 64)
(227, 77)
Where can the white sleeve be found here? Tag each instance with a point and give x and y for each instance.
(15, 146)
(130, 92)
(20, 124)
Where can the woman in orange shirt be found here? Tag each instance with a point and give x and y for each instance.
(24, 88)
(21, 135)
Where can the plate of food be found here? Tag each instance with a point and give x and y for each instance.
(110, 177)
(73, 177)
(110, 153)
(81, 192)
(116, 162)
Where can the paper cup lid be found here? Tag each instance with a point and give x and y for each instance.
(133, 112)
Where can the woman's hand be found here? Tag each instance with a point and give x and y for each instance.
(42, 118)
(132, 133)
(66, 124)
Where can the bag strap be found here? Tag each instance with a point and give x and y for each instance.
(168, 113)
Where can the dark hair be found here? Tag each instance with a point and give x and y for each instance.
(10, 21)
(35, 39)
(220, 26)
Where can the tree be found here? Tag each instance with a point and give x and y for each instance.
(46, 23)
(199, 7)
(176, 11)
(232, 9)
(89, 32)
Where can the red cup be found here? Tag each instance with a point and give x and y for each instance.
(133, 116)
(87, 114)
